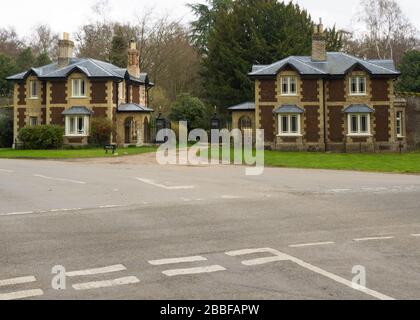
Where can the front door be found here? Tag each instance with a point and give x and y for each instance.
(128, 130)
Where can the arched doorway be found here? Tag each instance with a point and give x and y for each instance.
(128, 130)
(146, 133)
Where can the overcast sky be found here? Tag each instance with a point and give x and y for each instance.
(69, 15)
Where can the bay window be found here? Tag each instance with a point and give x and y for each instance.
(77, 125)
(289, 124)
(359, 124)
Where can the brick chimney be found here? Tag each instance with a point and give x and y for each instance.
(65, 50)
(133, 60)
(319, 43)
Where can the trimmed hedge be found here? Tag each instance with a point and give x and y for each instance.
(42, 137)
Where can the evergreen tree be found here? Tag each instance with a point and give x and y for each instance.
(42, 60)
(334, 40)
(118, 54)
(7, 68)
(25, 60)
(410, 72)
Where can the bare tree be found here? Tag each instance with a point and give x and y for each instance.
(10, 43)
(388, 34)
(44, 40)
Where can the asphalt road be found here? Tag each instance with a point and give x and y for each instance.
(133, 231)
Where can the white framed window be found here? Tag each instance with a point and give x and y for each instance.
(289, 124)
(400, 124)
(77, 125)
(33, 89)
(357, 86)
(359, 124)
(288, 86)
(33, 121)
(78, 88)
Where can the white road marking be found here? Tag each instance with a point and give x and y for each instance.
(339, 190)
(89, 272)
(176, 260)
(59, 179)
(310, 267)
(6, 171)
(373, 239)
(110, 206)
(16, 213)
(232, 197)
(106, 283)
(311, 244)
(21, 294)
(152, 183)
(416, 235)
(260, 261)
(14, 281)
(178, 272)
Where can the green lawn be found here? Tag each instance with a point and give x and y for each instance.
(70, 154)
(377, 162)
(374, 162)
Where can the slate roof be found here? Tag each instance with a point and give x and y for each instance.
(77, 111)
(337, 64)
(243, 106)
(132, 107)
(90, 67)
(358, 108)
(289, 109)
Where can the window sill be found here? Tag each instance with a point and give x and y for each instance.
(84, 97)
(76, 135)
(289, 95)
(365, 135)
(33, 98)
(291, 135)
(358, 95)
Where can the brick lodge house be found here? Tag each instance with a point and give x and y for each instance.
(329, 101)
(73, 91)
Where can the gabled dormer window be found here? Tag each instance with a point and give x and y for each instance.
(288, 86)
(78, 88)
(357, 86)
(33, 89)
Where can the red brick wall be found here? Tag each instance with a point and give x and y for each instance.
(335, 123)
(382, 123)
(99, 112)
(268, 91)
(98, 92)
(312, 124)
(336, 90)
(21, 118)
(136, 93)
(56, 116)
(58, 92)
(310, 90)
(267, 122)
(380, 90)
(21, 94)
(44, 93)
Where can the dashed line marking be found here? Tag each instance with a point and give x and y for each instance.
(106, 283)
(232, 197)
(177, 260)
(373, 238)
(15, 281)
(416, 235)
(110, 206)
(152, 183)
(6, 171)
(59, 179)
(21, 294)
(311, 244)
(89, 272)
(179, 272)
(61, 210)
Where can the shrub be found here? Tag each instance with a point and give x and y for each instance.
(100, 131)
(191, 109)
(42, 137)
(6, 131)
